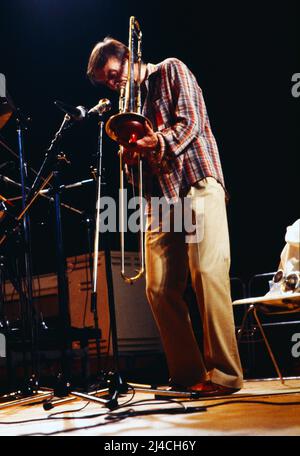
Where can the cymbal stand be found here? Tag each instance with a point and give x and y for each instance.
(24, 285)
(29, 316)
(12, 229)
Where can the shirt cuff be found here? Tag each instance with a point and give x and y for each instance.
(161, 154)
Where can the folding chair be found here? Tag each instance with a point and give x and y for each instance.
(270, 304)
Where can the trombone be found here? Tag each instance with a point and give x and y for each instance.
(129, 125)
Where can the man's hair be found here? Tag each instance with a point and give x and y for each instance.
(102, 51)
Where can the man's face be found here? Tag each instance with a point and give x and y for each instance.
(113, 74)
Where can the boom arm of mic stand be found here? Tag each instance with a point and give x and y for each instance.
(49, 155)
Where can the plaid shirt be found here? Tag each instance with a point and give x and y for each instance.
(188, 151)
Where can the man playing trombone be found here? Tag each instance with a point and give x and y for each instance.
(182, 161)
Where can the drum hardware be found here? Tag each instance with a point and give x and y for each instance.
(29, 316)
(21, 225)
(46, 192)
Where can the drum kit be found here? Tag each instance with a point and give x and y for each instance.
(15, 253)
(16, 222)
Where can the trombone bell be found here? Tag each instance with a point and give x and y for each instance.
(126, 126)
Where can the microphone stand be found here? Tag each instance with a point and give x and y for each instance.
(117, 385)
(62, 387)
(94, 272)
(89, 223)
(50, 154)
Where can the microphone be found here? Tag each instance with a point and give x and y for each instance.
(76, 113)
(80, 112)
(103, 105)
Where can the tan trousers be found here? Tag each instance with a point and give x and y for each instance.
(168, 260)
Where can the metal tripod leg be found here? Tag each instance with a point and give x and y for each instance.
(268, 345)
(241, 330)
(161, 393)
(112, 403)
(252, 309)
(8, 400)
(93, 396)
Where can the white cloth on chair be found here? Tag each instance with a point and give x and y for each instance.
(290, 255)
(289, 259)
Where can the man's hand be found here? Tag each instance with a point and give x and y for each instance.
(144, 145)
(129, 157)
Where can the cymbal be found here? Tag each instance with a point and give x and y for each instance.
(5, 113)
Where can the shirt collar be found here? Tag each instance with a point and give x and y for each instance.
(151, 68)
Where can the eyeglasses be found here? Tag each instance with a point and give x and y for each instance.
(291, 282)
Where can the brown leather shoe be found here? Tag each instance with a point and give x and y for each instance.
(207, 389)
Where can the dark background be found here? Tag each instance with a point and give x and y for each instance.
(243, 55)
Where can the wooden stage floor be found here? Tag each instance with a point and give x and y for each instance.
(261, 408)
